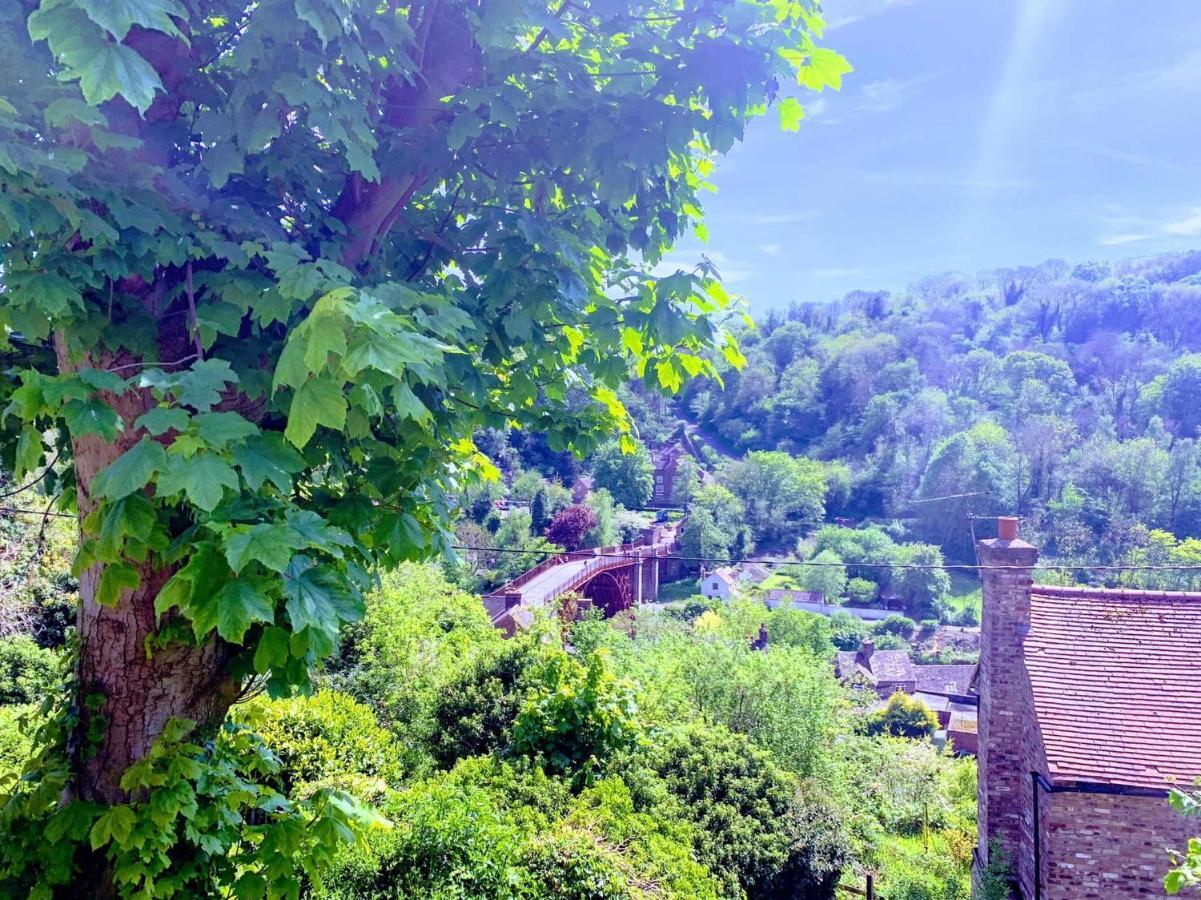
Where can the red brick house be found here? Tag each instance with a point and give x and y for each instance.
(1088, 713)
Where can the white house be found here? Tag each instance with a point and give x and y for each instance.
(720, 583)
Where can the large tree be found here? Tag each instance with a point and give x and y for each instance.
(268, 267)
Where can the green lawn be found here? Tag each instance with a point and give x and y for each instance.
(965, 591)
(679, 590)
(778, 580)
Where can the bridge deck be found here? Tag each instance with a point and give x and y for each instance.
(556, 576)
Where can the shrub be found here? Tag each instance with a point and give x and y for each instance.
(326, 736)
(447, 840)
(570, 526)
(474, 713)
(15, 741)
(848, 631)
(27, 671)
(577, 716)
(901, 626)
(904, 716)
(794, 628)
(862, 591)
(752, 826)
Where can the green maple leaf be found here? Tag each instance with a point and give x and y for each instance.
(162, 419)
(317, 597)
(202, 478)
(118, 16)
(130, 517)
(272, 649)
(791, 114)
(115, 823)
(115, 578)
(271, 544)
(91, 417)
(233, 610)
(131, 471)
(319, 401)
(267, 458)
(113, 69)
(207, 475)
(201, 386)
(220, 429)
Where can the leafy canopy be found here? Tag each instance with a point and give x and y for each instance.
(273, 265)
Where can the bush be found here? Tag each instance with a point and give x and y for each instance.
(862, 591)
(752, 826)
(577, 716)
(326, 736)
(447, 840)
(15, 742)
(420, 633)
(474, 713)
(901, 626)
(501, 830)
(904, 716)
(570, 526)
(27, 671)
(794, 628)
(848, 631)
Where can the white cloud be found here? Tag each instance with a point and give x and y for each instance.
(888, 94)
(1116, 240)
(1189, 226)
(770, 249)
(840, 13)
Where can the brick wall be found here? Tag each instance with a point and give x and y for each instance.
(1107, 846)
(1007, 740)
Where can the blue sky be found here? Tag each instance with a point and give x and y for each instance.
(972, 134)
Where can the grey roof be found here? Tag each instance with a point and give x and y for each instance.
(884, 665)
(945, 679)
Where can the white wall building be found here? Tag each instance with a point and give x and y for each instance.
(720, 583)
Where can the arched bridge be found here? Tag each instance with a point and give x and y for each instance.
(612, 578)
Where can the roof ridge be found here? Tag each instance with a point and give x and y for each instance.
(1076, 591)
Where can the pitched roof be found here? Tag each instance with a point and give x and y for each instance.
(882, 665)
(1116, 686)
(944, 679)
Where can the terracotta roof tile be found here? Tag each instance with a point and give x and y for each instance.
(1116, 686)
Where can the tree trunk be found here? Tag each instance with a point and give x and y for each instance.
(140, 690)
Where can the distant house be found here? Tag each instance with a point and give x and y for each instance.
(581, 488)
(720, 583)
(1088, 715)
(752, 573)
(665, 461)
(885, 671)
(785, 597)
(946, 689)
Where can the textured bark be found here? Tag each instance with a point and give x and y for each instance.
(141, 691)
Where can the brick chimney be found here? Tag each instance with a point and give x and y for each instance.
(864, 656)
(1005, 699)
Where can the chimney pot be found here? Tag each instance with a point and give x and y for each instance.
(1007, 528)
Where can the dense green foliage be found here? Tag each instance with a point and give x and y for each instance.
(1065, 394)
(270, 268)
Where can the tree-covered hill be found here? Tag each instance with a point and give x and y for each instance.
(1066, 394)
